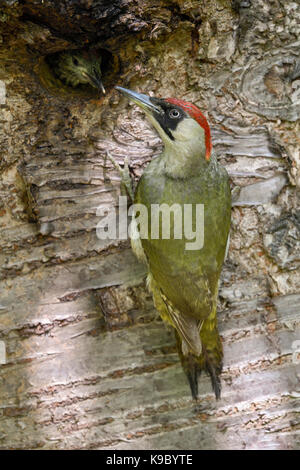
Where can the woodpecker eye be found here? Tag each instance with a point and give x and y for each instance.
(174, 113)
(75, 61)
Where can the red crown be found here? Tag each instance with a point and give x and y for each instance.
(196, 114)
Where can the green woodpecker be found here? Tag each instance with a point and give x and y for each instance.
(80, 67)
(184, 282)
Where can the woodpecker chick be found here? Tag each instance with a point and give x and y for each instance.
(184, 281)
(80, 67)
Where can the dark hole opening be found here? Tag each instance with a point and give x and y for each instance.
(109, 70)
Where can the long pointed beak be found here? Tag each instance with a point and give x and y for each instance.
(95, 81)
(143, 101)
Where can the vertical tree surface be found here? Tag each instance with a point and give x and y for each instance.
(85, 360)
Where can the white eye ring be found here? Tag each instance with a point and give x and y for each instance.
(174, 113)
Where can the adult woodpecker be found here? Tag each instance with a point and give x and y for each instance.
(80, 67)
(184, 283)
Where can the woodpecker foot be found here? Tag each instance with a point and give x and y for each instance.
(126, 179)
(214, 373)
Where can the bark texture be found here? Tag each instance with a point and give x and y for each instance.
(88, 362)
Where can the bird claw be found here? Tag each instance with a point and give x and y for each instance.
(126, 180)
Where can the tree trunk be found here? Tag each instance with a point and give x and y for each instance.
(85, 360)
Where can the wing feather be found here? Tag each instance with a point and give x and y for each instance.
(187, 327)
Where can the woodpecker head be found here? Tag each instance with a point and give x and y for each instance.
(80, 67)
(181, 125)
